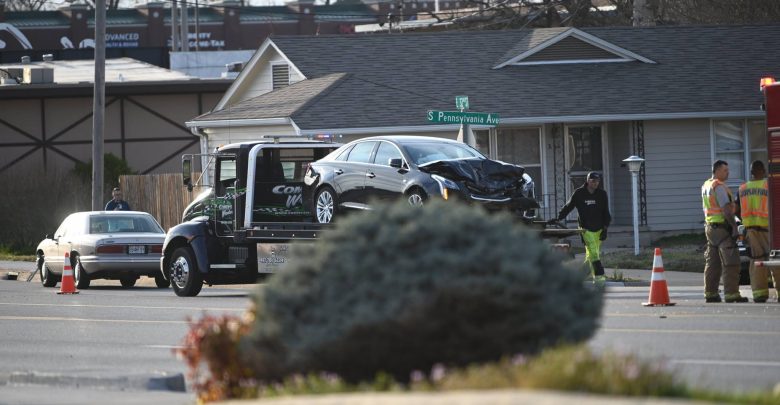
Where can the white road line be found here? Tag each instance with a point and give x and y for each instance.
(56, 318)
(692, 331)
(18, 304)
(727, 362)
(162, 347)
(687, 315)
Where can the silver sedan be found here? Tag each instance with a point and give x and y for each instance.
(114, 245)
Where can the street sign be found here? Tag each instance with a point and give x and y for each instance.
(457, 117)
(462, 102)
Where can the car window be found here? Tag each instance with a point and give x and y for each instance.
(342, 157)
(73, 226)
(64, 226)
(424, 152)
(361, 153)
(385, 152)
(122, 224)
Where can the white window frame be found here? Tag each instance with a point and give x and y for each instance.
(746, 151)
(540, 183)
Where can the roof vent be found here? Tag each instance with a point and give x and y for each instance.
(25, 60)
(48, 57)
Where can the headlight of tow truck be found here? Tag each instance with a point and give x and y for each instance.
(445, 185)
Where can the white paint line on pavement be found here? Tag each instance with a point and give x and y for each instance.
(20, 304)
(162, 347)
(692, 331)
(687, 315)
(727, 362)
(56, 318)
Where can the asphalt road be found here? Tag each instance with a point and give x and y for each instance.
(108, 343)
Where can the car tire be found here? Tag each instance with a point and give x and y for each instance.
(47, 279)
(183, 272)
(81, 277)
(161, 282)
(128, 282)
(325, 205)
(415, 198)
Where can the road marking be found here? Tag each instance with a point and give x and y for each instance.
(687, 315)
(693, 331)
(728, 362)
(19, 304)
(57, 318)
(163, 347)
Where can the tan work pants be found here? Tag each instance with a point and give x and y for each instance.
(721, 258)
(758, 240)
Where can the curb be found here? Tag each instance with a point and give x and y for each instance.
(143, 382)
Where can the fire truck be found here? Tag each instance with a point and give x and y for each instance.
(771, 90)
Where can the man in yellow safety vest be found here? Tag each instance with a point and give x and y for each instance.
(722, 255)
(754, 209)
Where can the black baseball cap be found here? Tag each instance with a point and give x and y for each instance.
(594, 176)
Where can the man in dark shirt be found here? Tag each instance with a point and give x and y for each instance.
(117, 203)
(594, 218)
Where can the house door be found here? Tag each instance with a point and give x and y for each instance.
(584, 153)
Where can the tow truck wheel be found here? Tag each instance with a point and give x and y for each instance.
(47, 279)
(161, 282)
(325, 205)
(183, 272)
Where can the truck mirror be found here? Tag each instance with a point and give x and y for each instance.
(396, 163)
(186, 172)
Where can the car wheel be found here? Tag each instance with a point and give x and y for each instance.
(128, 282)
(47, 279)
(161, 282)
(415, 198)
(325, 205)
(81, 276)
(186, 280)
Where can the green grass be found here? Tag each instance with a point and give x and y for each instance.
(8, 254)
(688, 259)
(571, 368)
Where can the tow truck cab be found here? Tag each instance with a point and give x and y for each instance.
(237, 231)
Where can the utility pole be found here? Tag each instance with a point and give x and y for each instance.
(98, 105)
(185, 27)
(174, 27)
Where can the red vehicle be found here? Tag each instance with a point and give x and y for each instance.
(771, 90)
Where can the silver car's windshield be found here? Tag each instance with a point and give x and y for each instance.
(424, 152)
(123, 223)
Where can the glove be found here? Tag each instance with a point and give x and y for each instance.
(603, 235)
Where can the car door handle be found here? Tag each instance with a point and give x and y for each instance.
(370, 175)
(338, 171)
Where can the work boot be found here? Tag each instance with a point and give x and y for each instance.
(600, 282)
(715, 298)
(736, 299)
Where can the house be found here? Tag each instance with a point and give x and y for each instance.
(46, 120)
(570, 100)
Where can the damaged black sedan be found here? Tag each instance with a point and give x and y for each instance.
(416, 168)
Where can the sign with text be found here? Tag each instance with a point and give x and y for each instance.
(457, 117)
(462, 102)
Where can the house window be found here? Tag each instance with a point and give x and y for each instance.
(281, 76)
(521, 146)
(739, 142)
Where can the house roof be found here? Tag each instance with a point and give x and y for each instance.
(394, 79)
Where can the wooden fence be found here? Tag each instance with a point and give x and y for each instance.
(162, 195)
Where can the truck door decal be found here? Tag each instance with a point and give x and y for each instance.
(279, 199)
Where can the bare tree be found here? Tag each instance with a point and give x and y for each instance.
(26, 5)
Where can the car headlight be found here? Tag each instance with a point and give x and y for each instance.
(445, 185)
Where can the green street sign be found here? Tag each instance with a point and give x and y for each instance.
(462, 102)
(457, 117)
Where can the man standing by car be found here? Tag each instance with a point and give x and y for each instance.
(754, 210)
(117, 203)
(594, 218)
(722, 255)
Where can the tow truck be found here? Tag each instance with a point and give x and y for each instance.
(239, 229)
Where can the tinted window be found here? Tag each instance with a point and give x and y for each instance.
(343, 155)
(361, 152)
(385, 152)
(424, 152)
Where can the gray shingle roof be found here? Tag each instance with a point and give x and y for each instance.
(394, 79)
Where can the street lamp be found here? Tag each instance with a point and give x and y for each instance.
(634, 164)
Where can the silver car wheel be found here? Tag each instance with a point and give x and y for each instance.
(325, 207)
(415, 200)
(180, 272)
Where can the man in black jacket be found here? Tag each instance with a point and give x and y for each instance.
(594, 218)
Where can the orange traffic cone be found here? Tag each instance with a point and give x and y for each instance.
(68, 284)
(659, 294)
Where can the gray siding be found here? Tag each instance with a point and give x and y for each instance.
(619, 138)
(677, 163)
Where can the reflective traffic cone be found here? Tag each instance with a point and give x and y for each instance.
(68, 284)
(659, 293)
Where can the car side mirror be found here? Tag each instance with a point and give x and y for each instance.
(47, 236)
(397, 163)
(186, 172)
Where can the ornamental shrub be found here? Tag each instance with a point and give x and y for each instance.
(399, 289)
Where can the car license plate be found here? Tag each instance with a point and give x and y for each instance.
(136, 249)
(272, 257)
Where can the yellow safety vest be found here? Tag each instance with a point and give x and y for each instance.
(754, 203)
(713, 214)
